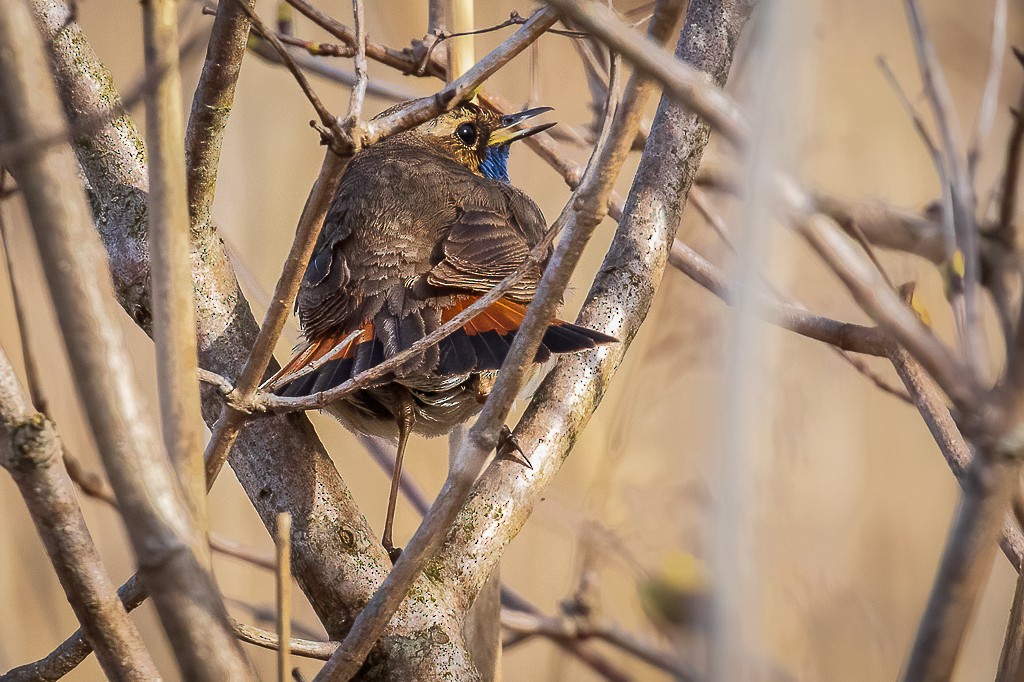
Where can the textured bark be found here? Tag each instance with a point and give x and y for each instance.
(618, 302)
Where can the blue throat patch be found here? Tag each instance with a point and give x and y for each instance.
(495, 163)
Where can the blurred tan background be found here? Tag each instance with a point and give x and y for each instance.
(852, 499)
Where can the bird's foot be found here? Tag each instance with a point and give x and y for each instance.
(389, 547)
(507, 444)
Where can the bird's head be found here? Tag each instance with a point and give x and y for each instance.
(479, 139)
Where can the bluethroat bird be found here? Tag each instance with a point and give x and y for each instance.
(421, 225)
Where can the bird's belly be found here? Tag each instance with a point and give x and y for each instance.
(441, 403)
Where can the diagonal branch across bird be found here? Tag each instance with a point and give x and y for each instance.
(421, 225)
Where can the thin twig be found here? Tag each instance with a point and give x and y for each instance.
(328, 120)
(283, 574)
(355, 105)
(269, 640)
(563, 628)
(376, 88)
(962, 201)
(990, 93)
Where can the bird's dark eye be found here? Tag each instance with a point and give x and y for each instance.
(467, 133)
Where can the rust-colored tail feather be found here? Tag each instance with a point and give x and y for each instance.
(480, 345)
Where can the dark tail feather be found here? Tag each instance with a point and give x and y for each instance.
(481, 345)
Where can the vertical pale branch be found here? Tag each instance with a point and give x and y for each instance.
(156, 517)
(355, 106)
(460, 50)
(174, 323)
(32, 452)
(283, 550)
(736, 552)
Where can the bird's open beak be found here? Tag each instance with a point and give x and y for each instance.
(507, 132)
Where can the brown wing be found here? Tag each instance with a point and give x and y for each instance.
(480, 250)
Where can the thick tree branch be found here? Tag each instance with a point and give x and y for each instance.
(618, 302)
(211, 106)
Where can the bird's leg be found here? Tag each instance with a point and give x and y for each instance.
(406, 417)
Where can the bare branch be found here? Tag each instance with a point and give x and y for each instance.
(158, 522)
(298, 647)
(355, 106)
(211, 106)
(283, 575)
(174, 324)
(563, 629)
(952, 445)
(32, 453)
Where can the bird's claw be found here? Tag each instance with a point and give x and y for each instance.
(507, 444)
